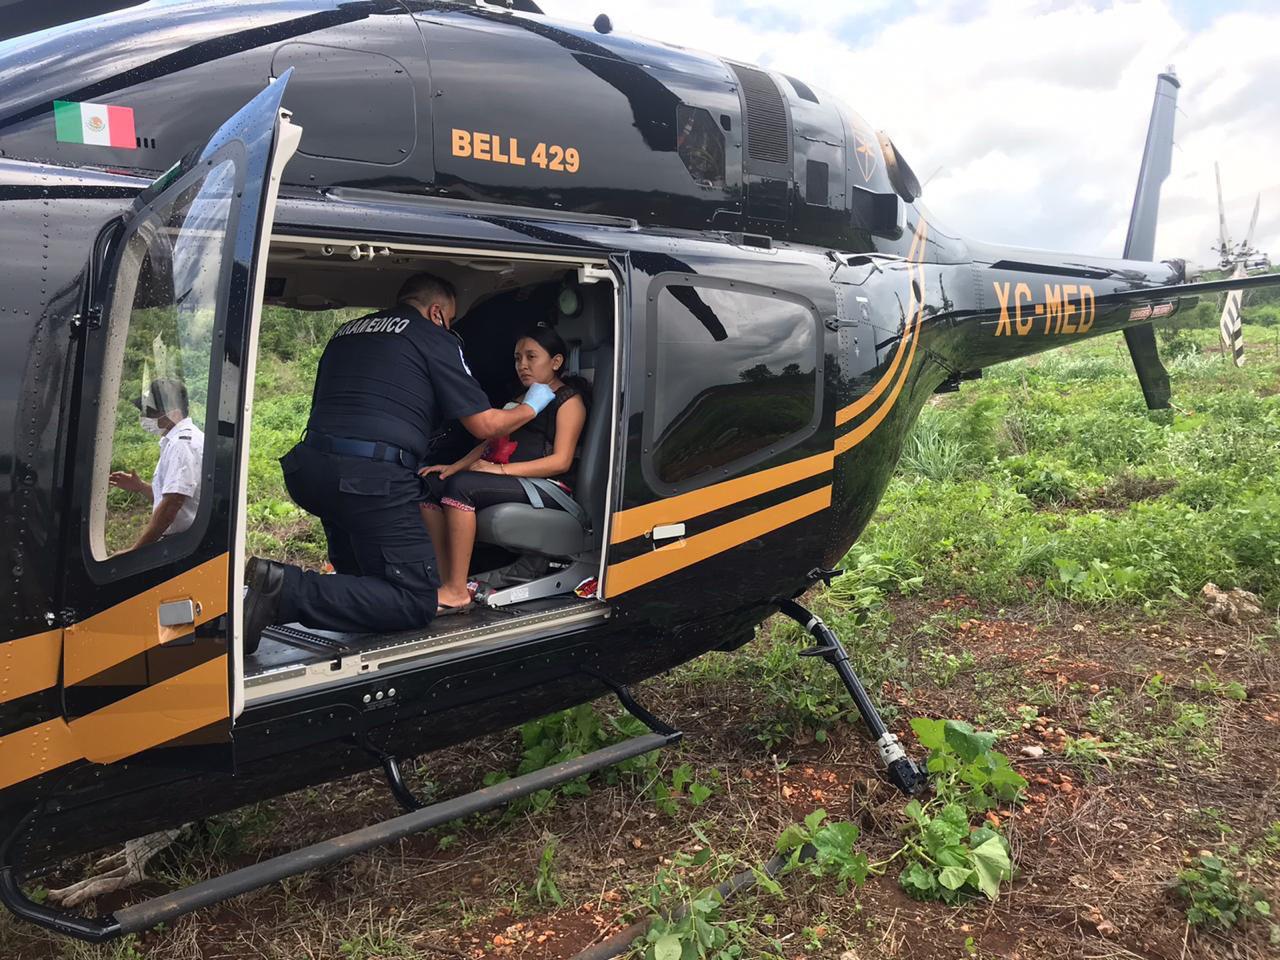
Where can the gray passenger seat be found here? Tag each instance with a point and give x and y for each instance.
(549, 531)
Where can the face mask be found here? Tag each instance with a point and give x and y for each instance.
(151, 425)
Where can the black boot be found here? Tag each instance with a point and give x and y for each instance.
(265, 579)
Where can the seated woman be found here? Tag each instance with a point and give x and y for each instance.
(544, 447)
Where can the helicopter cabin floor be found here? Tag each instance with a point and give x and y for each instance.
(293, 657)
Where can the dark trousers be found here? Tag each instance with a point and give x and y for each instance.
(385, 565)
(475, 490)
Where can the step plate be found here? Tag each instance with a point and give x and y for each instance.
(294, 658)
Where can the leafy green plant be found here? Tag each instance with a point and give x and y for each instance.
(1044, 481)
(544, 887)
(799, 695)
(1208, 681)
(1096, 581)
(1089, 750)
(943, 666)
(833, 854)
(127, 949)
(374, 945)
(963, 767)
(1215, 895)
(1268, 846)
(700, 934)
(1176, 341)
(695, 927)
(571, 733)
(683, 787)
(949, 860)
(946, 858)
(868, 577)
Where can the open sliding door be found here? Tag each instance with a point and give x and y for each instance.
(151, 658)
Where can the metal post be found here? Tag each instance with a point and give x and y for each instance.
(904, 773)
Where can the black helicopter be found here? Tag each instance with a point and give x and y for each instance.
(739, 263)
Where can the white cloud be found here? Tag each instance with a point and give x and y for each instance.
(1031, 112)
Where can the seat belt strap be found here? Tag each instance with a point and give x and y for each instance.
(535, 487)
(531, 492)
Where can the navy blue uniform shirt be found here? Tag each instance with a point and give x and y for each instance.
(392, 377)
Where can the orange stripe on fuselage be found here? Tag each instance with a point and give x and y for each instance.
(25, 754)
(845, 414)
(855, 436)
(180, 705)
(128, 629)
(29, 664)
(648, 567)
(640, 520)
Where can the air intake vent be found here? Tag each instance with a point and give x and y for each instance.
(766, 116)
(803, 90)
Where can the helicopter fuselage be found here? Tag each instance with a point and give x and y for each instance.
(495, 134)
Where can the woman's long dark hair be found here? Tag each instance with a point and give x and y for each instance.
(547, 338)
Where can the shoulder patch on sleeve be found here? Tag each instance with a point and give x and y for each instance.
(463, 361)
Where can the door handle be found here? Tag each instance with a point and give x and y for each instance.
(666, 532)
(178, 613)
(177, 622)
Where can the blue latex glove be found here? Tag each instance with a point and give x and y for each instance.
(538, 396)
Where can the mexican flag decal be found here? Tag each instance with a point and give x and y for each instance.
(95, 124)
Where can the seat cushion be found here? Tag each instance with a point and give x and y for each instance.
(522, 528)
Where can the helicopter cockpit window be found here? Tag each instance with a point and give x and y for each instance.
(735, 381)
(152, 458)
(701, 145)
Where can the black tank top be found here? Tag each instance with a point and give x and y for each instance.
(537, 438)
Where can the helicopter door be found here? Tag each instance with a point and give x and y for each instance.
(150, 665)
(723, 448)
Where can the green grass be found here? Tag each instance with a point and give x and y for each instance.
(290, 348)
(1069, 487)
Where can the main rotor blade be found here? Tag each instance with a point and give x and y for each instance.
(1223, 239)
(1253, 223)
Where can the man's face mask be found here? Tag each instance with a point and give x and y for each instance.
(151, 425)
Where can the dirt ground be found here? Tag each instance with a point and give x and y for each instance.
(1187, 711)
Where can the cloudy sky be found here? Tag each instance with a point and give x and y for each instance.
(1026, 118)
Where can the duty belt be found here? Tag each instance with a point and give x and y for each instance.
(369, 450)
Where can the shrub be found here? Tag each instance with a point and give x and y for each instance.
(1215, 894)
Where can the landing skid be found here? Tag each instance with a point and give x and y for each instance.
(409, 801)
(169, 906)
(904, 773)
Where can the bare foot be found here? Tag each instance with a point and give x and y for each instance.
(452, 598)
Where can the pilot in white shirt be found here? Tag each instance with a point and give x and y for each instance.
(175, 486)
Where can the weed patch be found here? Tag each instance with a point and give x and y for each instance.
(1215, 895)
(946, 857)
